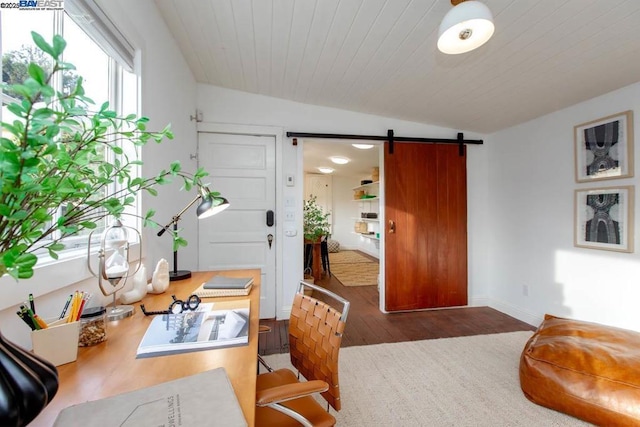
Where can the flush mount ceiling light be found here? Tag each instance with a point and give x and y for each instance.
(362, 146)
(324, 169)
(339, 160)
(467, 26)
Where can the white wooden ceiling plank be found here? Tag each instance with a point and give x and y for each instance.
(197, 18)
(224, 19)
(200, 22)
(567, 50)
(338, 35)
(322, 25)
(398, 40)
(379, 56)
(262, 33)
(332, 69)
(362, 62)
(454, 71)
(405, 69)
(282, 19)
(243, 24)
(572, 88)
(522, 66)
(473, 71)
(303, 13)
(173, 18)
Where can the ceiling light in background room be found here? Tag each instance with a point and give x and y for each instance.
(339, 160)
(324, 169)
(467, 26)
(362, 146)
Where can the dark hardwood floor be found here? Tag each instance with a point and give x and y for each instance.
(367, 325)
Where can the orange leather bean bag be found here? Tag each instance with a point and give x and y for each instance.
(586, 370)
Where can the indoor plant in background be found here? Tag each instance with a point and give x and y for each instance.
(316, 221)
(52, 160)
(316, 227)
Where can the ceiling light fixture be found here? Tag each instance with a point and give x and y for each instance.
(325, 169)
(467, 26)
(362, 146)
(339, 160)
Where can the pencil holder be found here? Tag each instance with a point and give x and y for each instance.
(58, 343)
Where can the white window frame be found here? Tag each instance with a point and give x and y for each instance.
(71, 267)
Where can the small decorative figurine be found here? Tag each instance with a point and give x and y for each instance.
(160, 280)
(139, 288)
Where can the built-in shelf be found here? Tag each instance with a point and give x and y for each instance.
(365, 186)
(364, 226)
(368, 236)
(367, 219)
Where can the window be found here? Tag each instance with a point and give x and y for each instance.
(100, 53)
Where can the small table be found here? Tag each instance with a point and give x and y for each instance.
(111, 367)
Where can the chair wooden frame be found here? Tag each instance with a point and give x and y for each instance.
(315, 334)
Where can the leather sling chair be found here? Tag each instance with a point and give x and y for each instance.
(315, 333)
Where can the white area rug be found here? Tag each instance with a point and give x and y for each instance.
(466, 381)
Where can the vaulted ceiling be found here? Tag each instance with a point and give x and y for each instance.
(380, 56)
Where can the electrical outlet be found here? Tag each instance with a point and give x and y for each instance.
(525, 290)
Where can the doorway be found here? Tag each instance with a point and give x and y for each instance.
(357, 262)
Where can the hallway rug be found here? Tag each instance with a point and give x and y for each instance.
(464, 381)
(347, 257)
(356, 274)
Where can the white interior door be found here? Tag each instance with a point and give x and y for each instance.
(242, 168)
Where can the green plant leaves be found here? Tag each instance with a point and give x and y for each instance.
(54, 180)
(42, 44)
(37, 73)
(316, 221)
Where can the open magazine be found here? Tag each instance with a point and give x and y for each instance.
(202, 329)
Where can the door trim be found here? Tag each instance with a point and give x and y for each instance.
(275, 132)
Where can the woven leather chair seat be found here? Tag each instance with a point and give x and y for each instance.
(586, 370)
(315, 334)
(306, 405)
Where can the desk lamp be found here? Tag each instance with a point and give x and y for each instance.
(210, 205)
(115, 268)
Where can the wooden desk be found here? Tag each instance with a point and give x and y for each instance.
(111, 367)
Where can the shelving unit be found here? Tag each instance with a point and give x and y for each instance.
(368, 205)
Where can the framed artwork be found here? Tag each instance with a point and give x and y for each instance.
(604, 218)
(604, 148)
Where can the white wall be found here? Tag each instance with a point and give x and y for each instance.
(221, 105)
(529, 223)
(345, 209)
(168, 96)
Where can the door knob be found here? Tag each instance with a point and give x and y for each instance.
(392, 226)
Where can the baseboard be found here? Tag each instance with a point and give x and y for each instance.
(479, 302)
(284, 313)
(527, 316)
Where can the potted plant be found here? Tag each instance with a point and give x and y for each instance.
(316, 228)
(316, 221)
(54, 183)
